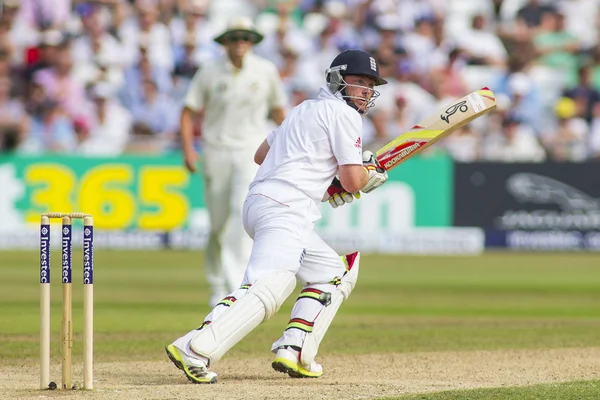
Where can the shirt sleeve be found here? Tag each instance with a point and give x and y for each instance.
(345, 134)
(277, 97)
(195, 98)
(271, 136)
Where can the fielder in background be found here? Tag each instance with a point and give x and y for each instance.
(233, 96)
(320, 139)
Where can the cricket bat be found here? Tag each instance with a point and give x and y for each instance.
(436, 127)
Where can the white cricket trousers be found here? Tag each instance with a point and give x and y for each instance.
(281, 220)
(227, 176)
(282, 226)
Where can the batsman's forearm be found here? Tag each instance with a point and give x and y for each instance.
(353, 177)
(187, 128)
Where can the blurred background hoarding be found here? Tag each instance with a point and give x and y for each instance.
(147, 201)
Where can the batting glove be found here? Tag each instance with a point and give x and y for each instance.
(377, 175)
(337, 195)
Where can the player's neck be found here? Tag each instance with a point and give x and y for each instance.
(237, 62)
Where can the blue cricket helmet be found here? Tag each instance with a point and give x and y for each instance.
(356, 62)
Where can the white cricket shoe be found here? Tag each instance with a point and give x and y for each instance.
(287, 360)
(195, 369)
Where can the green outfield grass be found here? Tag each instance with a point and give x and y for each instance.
(145, 300)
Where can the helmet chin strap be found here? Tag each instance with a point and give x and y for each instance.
(349, 101)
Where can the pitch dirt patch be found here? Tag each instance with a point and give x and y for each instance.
(346, 377)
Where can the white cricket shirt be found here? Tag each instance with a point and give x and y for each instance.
(236, 103)
(316, 137)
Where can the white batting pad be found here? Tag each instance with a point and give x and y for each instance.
(313, 339)
(262, 301)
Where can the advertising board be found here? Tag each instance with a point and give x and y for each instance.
(548, 206)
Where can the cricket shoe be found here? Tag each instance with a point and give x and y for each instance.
(195, 370)
(287, 360)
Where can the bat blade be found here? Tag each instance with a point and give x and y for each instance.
(436, 127)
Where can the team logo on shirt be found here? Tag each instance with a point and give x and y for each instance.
(221, 87)
(254, 86)
(358, 143)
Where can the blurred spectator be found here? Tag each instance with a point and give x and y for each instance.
(36, 96)
(97, 54)
(282, 33)
(132, 93)
(570, 140)
(46, 13)
(50, 130)
(282, 12)
(156, 112)
(594, 63)
(464, 145)
(12, 110)
(459, 16)
(60, 84)
(187, 63)
(167, 10)
(13, 74)
(519, 23)
(341, 29)
(451, 74)
(193, 31)
(299, 93)
(481, 46)
(531, 14)
(19, 34)
(185, 68)
(10, 138)
(581, 20)
(387, 36)
(322, 52)
(5, 41)
(585, 96)
(297, 73)
(419, 102)
(143, 141)
(45, 54)
(108, 131)
(525, 101)
(144, 30)
(557, 48)
(421, 44)
(516, 142)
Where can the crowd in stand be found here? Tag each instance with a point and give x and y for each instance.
(107, 77)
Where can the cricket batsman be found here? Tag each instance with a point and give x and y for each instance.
(314, 155)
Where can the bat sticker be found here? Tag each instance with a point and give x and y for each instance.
(462, 106)
(476, 102)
